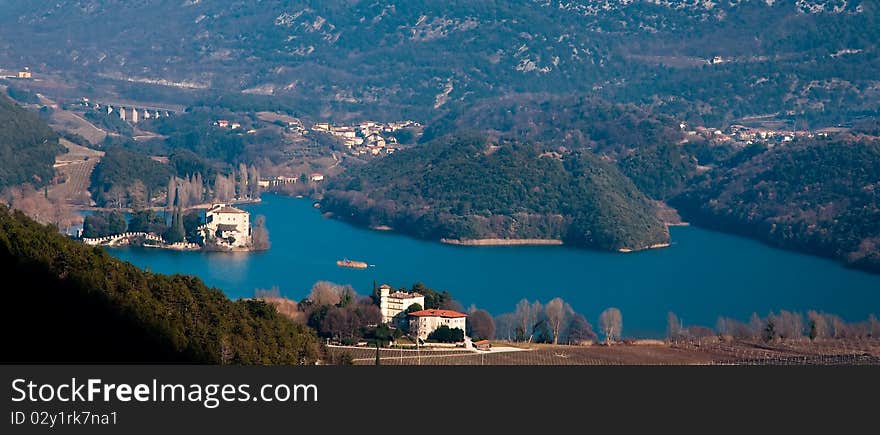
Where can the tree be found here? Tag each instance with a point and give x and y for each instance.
(673, 327)
(378, 360)
(527, 319)
(874, 326)
(116, 222)
(818, 325)
(611, 323)
(506, 326)
(147, 221)
(242, 181)
(176, 231)
(769, 333)
(254, 182)
(756, 326)
(95, 225)
(327, 293)
(480, 325)
(260, 234)
(137, 194)
(191, 222)
(557, 313)
(787, 324)
(445, 334)
(171, 196)
(579, 330)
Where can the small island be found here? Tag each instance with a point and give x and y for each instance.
(224, 228)
(351, 264)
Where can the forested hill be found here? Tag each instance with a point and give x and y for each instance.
(27, 146)
(821, 197)
(471, 188)
(66, 302)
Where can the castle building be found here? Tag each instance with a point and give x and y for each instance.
(391, 305)
(227, 226)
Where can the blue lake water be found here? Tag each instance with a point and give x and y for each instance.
(704, 274)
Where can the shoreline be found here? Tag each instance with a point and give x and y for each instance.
(654, 246)
(502, 242)
(157, 208)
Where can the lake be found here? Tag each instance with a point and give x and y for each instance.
(703, 274)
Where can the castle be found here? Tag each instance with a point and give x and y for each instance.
(227, 226)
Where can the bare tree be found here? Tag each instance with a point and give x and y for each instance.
(818, 325)
(673, 327)
(839, 328)
(116, 196)
(524, 319)
(325, 293)
(242, 180)
(172, 192)
(260, 234)
(874, 325)
(756, 326)
(505, 326)
(611, 323)
(557, 312)
(787, 324)
(137, 194)
(253, 182)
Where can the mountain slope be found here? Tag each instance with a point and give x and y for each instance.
(77, 304)
(468, 188)
(27, 146)
(418, 56)
(820, 197)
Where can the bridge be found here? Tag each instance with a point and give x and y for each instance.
(114, 239)
(131, 112)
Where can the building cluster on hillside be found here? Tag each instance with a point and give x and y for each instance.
(421, 322)
(366, 137)
(225, 123)
(13, 74)
(744, 135)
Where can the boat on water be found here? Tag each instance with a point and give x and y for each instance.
(351, 263)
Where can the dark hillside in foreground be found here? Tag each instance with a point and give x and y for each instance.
(65, 302)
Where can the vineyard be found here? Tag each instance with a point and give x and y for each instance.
(707, 352)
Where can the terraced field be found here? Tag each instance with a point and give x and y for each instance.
(75, 167)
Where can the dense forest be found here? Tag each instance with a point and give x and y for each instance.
(820, 196)
(123, 174)
(465, 187)
(82, 305)
(27, 147)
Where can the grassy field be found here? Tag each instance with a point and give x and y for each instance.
(710, 352)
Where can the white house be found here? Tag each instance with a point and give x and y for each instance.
(392, 304)
(316, 177)
(423, 323)
(227, 226)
